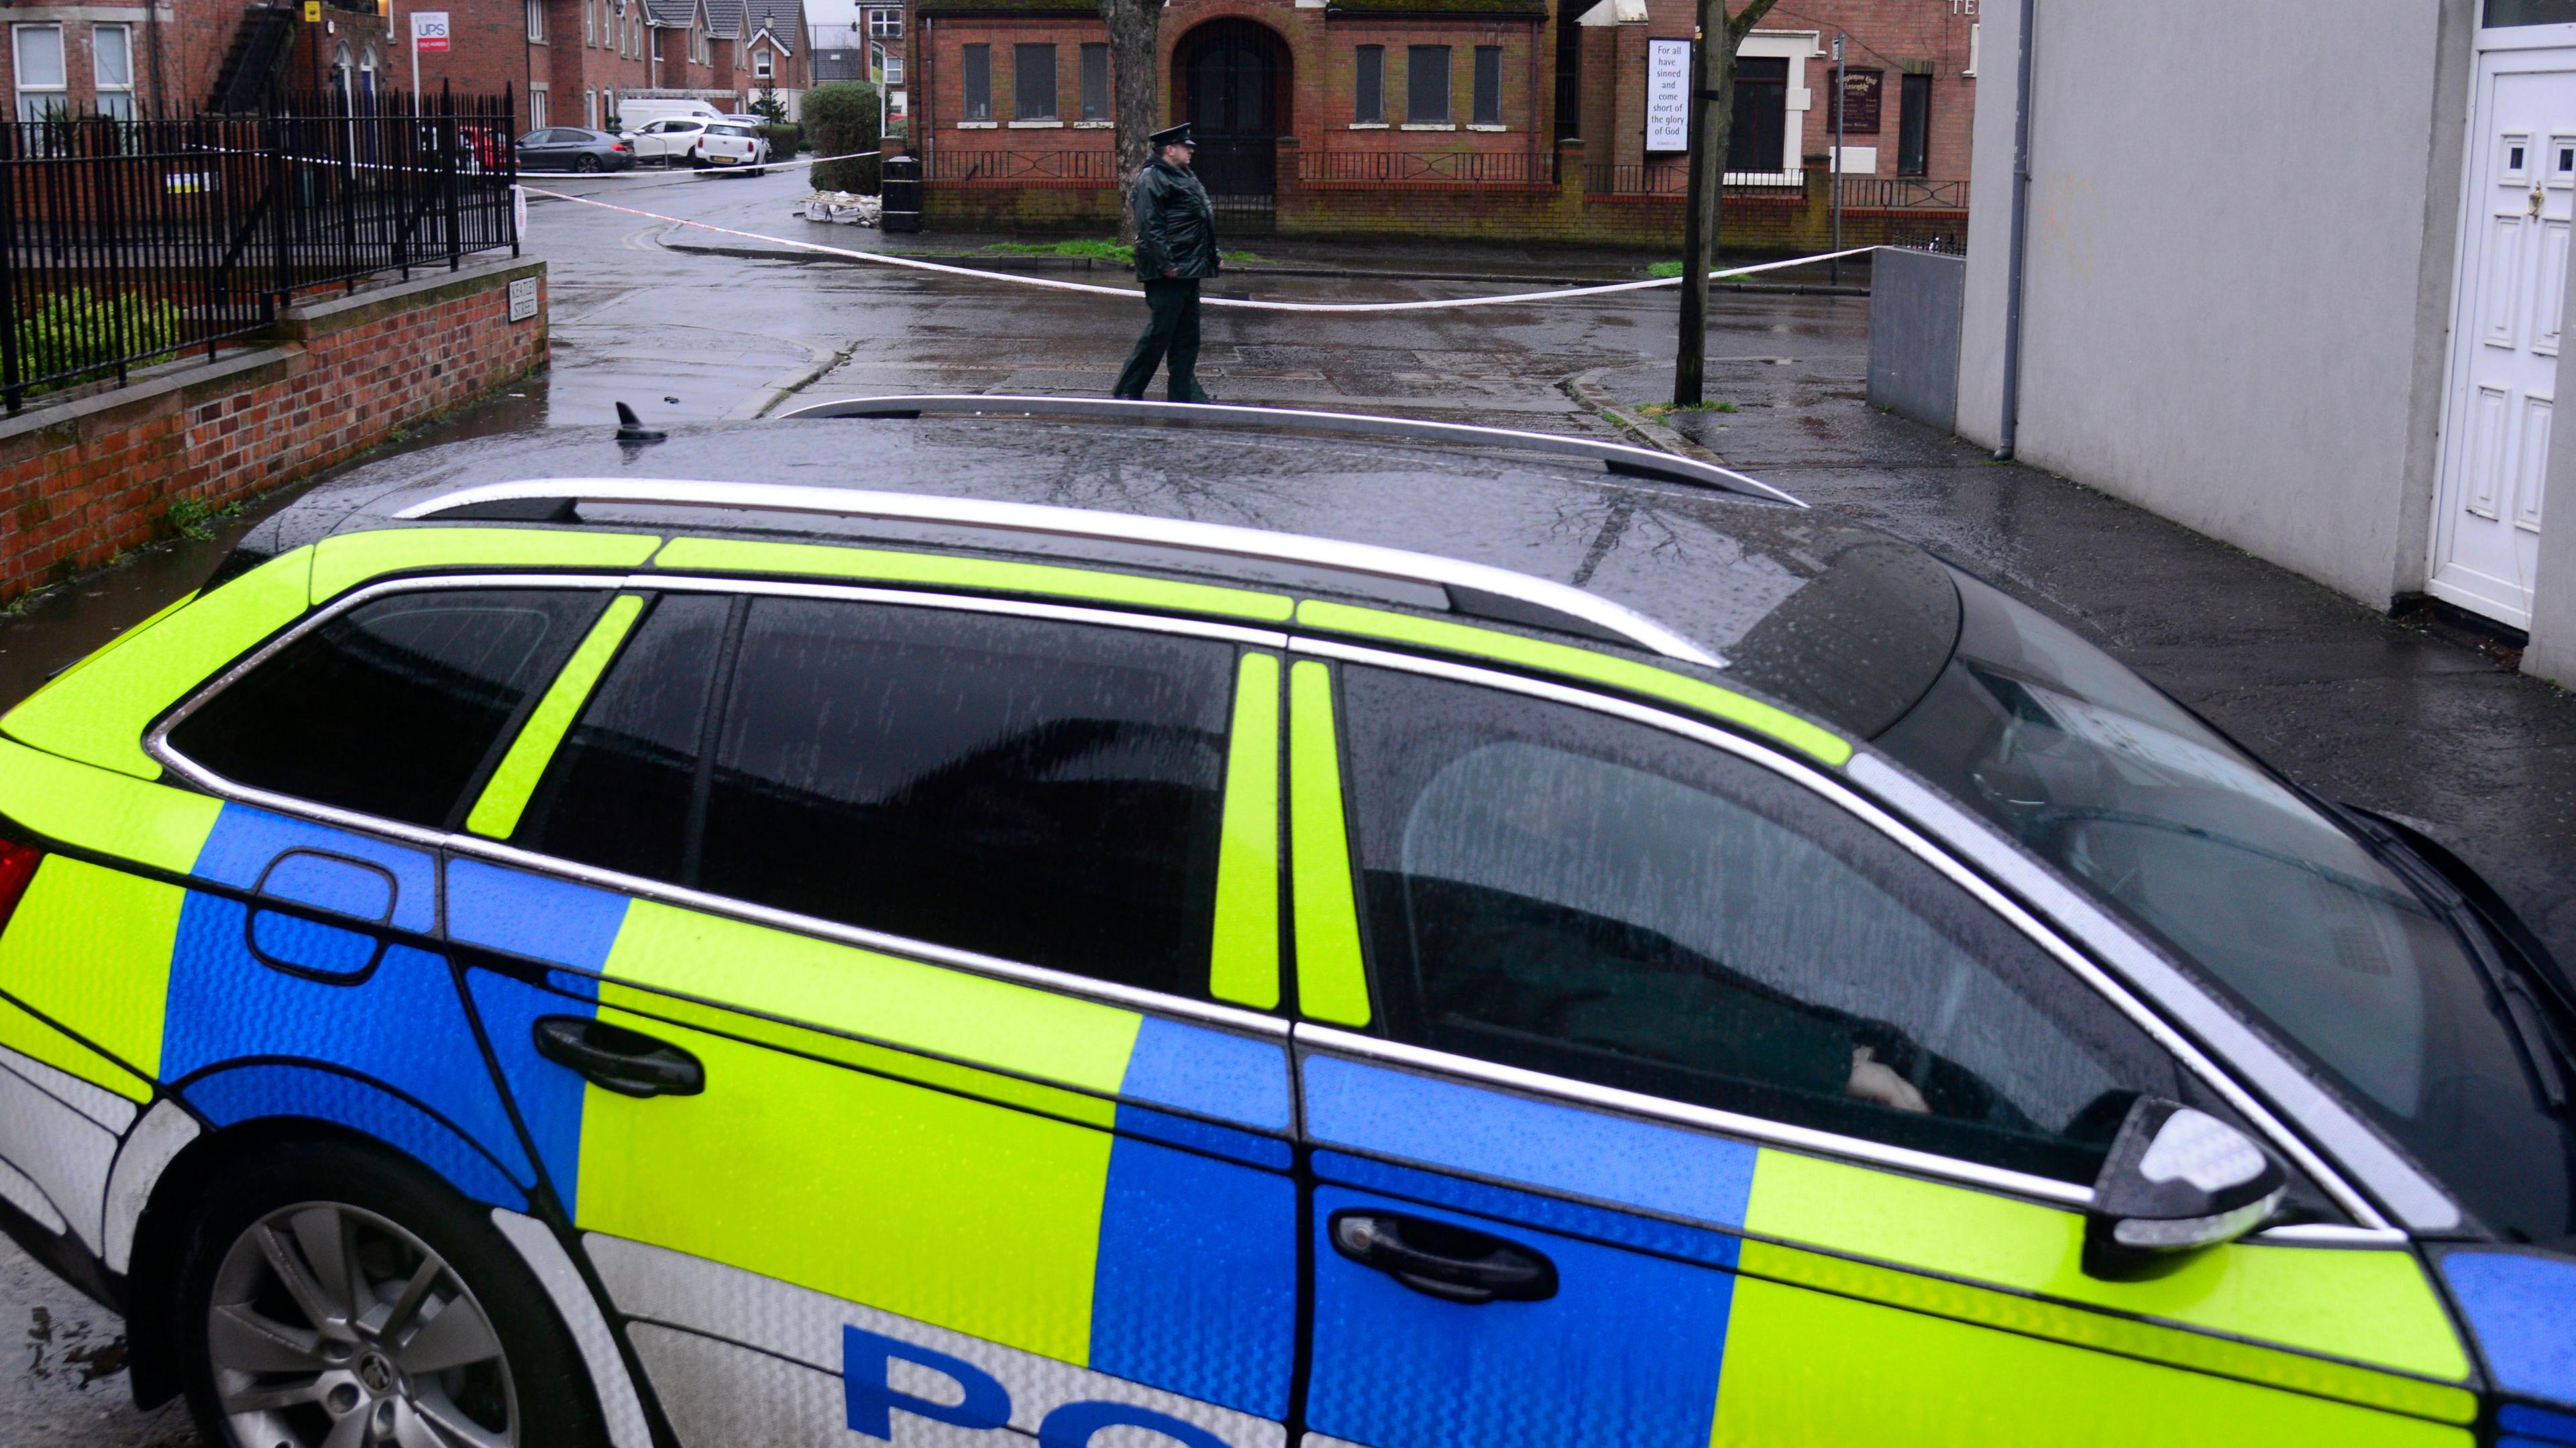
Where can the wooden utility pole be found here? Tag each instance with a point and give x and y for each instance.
(1712, 116)
(1135, 37)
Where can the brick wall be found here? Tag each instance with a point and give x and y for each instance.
(1787, 223)
(84, 480)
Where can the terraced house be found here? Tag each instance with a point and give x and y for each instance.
(566, 62)
(1505, 118)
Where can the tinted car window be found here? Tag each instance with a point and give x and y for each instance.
(394, 707)
(617, 794)
(1039, 791)
(1552, 889)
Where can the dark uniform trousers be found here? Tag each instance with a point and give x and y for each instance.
(1174, 330)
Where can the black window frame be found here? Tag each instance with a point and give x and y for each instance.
(1035, 95)
(1486, 106)
(1914, 124)
(1368, 85)
(1759, 129)
(1097, 100)
(1419, 60)
(975, 82)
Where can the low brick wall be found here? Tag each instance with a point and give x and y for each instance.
(86, 479)
(1787, 224)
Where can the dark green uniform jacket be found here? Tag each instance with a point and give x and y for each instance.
(1175, 223)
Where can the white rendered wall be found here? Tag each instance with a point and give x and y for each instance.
(2238, 283)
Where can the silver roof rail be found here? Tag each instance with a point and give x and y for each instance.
(1617, 457)
(1473, 588)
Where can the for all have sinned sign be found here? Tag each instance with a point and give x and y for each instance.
(1668, 95)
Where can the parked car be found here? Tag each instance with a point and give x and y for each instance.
(723, 143)
(667, 141)
(581, 943)
(573, 148)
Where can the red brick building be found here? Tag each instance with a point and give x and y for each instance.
(1526, 118)
(567, 62)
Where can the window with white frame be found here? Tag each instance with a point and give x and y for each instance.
(762, 65)
(38, 51)
(885, 25)
(112, 57)
(537, 21)
(536, 108)
(589, 24)
(590, 109)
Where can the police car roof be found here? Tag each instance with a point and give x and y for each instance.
(1819, 613)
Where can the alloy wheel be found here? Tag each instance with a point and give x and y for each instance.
(332, 1327)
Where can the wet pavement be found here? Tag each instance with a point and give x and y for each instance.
(2394, 717)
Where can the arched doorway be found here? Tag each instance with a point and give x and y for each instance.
(1232, 79)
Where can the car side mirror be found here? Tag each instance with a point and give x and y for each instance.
(2177, 1180)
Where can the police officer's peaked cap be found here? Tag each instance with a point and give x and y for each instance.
(1172, 136)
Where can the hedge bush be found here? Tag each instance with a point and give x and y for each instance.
(783, 141)
(841, 117)
(75, 333)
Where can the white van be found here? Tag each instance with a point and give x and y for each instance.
(636, 112)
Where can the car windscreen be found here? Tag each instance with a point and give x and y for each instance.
(2274, 900)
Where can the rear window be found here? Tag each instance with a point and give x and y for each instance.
(741, 131)
(394, 707)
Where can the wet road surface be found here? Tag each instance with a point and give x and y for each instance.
(2389, 716)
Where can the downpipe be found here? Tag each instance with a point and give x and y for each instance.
(2011, 422)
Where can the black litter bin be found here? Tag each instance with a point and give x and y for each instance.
(902, 194)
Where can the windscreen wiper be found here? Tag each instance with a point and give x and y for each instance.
(2523, 1009)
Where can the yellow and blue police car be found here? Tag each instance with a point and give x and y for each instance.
(967, 921)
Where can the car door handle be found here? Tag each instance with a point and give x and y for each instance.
(1452, 1263)
(614, 1058)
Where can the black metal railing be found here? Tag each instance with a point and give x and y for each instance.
(128, 242)
(1903, 193)
(1099, 168)
(1430, 168)
(1672, 178)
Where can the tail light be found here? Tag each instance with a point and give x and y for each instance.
(17, 867)
(617, 145)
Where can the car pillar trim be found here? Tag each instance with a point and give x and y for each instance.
(1917, 844)
(2406, 1191)
(1224, 539)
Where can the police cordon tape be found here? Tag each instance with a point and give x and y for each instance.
(639, 173)
(1240, 303)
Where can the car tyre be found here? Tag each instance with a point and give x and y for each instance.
(321, 1282)
(585, 162)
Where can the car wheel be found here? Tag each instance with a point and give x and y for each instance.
(330, 1295)
(585, 162)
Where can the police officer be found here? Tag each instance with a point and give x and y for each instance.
(1175, 247)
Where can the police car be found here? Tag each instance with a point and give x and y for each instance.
(970, 920)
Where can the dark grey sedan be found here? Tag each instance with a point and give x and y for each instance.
(573, 148)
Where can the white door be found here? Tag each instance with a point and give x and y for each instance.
(2504, 334)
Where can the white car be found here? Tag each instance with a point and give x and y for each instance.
(725, 143)
(668, 141)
